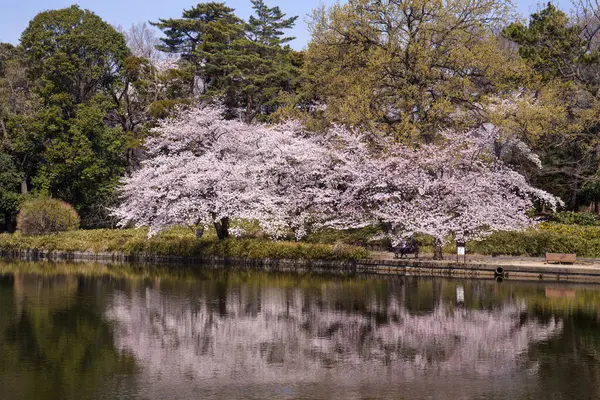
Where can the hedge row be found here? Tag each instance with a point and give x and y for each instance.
(328, 245)
(549, 237)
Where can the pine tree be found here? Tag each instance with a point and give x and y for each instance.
(198, 30)
(247, 65)
(257, 68)
(268, 24)
(202, 32)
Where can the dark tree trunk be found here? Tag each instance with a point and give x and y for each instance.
(222, 228)
(6, 225)
(249, 109)
(9, 223)
(437, 253)
(573, 196)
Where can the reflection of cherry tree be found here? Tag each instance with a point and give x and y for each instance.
(278, 335)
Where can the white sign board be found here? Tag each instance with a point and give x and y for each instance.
(460, 251)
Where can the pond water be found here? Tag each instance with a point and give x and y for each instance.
(90, 331)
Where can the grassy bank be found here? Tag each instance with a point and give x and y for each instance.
(180, 242)
(324, 245)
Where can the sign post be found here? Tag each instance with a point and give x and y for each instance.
(461, 250)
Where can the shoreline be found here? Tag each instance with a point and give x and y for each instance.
(513, 268)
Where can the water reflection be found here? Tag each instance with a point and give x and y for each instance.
(54, 342)
(231, 334)
(270, 333)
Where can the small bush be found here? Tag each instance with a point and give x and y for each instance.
(40, 216)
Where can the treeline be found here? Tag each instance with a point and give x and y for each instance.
(78, 97)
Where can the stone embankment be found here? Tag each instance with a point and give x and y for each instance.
(512, 268)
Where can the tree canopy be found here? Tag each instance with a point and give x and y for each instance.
(82, 104)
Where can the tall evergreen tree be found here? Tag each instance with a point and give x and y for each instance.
(247, 65)
(266, 27)
(197, 30)
(202, 31)
(257, 68)
(554, 46)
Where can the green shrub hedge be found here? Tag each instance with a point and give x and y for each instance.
(575, 218)
(548, 237)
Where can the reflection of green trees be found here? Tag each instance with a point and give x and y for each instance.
(55, 343)
(351, 291)
(420, 294)
(569, 364)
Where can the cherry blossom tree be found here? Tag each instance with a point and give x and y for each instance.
(203, 170)
(459, 187)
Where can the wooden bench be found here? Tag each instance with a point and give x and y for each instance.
(561, 258)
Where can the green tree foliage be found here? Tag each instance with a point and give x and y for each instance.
(68, 147)
(14, 86)
(562, 120)
(10, 180)
(198, 29)
(246, 65)
(198, 35)
(267, 26)
(257, 67)
(552, 45)
(72, 55)
(17, 106)
(82, 163)
(408, 67)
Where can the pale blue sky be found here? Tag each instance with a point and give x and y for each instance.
(15, 15)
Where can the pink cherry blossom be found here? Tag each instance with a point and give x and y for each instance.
(203, 169)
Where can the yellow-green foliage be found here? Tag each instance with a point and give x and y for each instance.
(328, 245)
(40, 216)
(549, 237)
(576, 218)
(179, 242)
